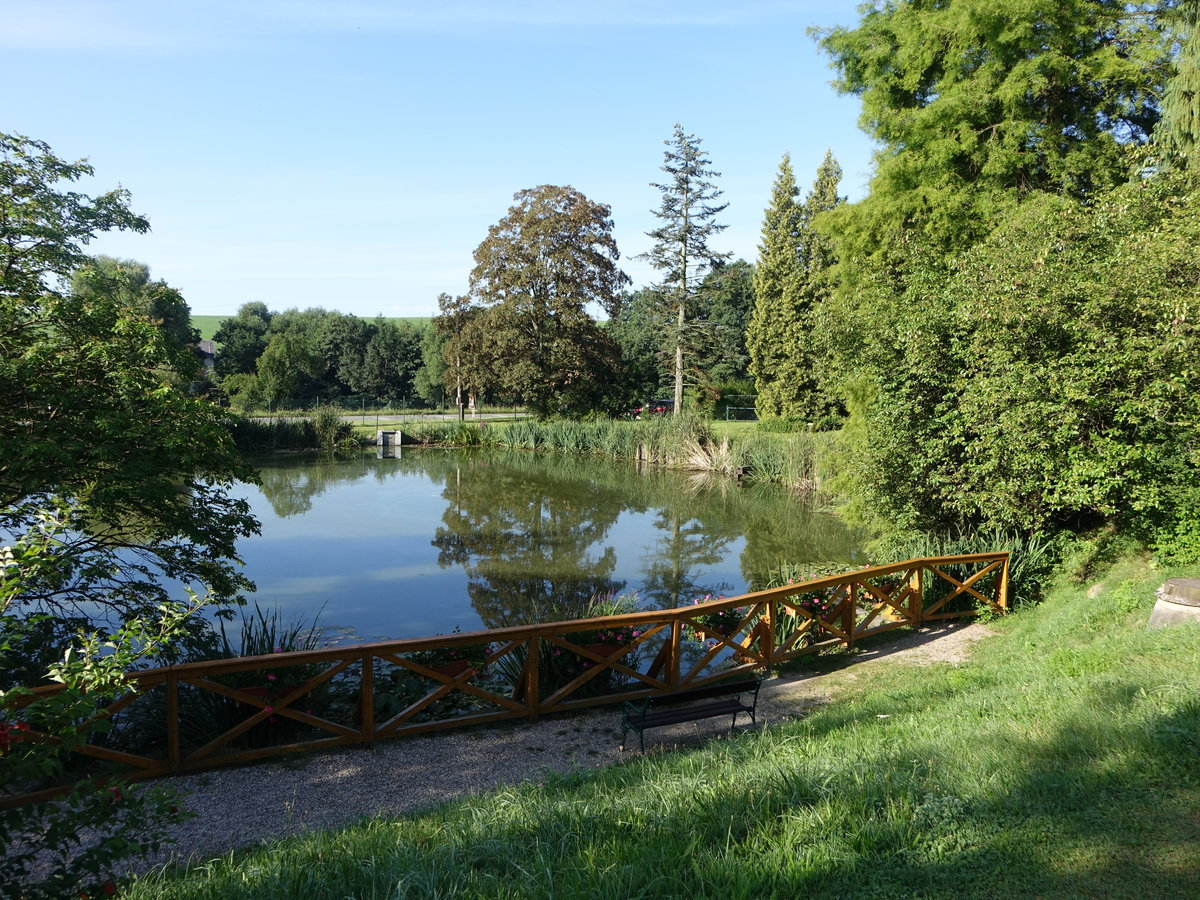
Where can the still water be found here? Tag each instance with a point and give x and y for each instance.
(419, 544)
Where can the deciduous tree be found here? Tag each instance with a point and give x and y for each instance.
(114, 488)
(88, 419)
(537, 274)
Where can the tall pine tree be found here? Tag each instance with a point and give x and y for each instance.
(789, 280)
(680, 250)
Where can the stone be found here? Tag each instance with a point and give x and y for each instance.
(1177, 603)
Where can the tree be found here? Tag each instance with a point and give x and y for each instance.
(288, 364)
(681, 250)
(791, 278)
(638, 330)
(727, 300)
(536, 274)
(429, 380)
(1178, 134)
(89, 420)
(114, 487)
(129, 281)
(1041, 380)
(242, 339)
(977, 104)
(466, 369)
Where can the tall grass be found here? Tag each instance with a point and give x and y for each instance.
(676, 441)
(278, 434)
(1059, 762)
(1033, 558)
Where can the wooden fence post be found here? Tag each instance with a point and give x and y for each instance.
(1002, 585)
(769, 638)
(921, 595)
(916, 602)
(366, 698)
(174, 753)
(531, 679)
(676, 642)
(850, 612)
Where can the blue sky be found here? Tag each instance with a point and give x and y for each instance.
(352, 154)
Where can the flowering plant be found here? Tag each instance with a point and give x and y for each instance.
(816, 603)
(724, 622)
(11, 734)
(617, 636)
(474, 655)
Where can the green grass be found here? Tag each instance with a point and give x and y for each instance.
(1062, 761)
(207, 325)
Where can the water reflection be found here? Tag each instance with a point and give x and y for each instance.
(531, 540)
(422, 542)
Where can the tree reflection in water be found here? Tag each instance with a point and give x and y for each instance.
(539, 535)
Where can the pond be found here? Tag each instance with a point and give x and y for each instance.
(430, 540)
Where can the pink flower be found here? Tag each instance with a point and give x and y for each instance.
(271, 676)
(269, 709)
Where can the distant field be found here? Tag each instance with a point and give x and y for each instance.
(208, 325)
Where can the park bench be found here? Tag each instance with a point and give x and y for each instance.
(726, 698)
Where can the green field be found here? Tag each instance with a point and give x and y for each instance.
(208, 325)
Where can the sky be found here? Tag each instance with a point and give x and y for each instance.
(352, 154)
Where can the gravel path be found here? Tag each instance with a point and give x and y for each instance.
(243, 806)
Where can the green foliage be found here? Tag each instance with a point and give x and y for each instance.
(429, 382)
(725, 301)
(304, 356)
(128, 282)
(1044, 379)
(536, 274)
(242, 340)
(113, 486)
(1177, 138)
(641, 330)
(1012, 98)
(256, 436)
(332, 433)
(76, 843)
(98, 440)
(791, 278)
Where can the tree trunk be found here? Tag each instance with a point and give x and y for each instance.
(679, 362)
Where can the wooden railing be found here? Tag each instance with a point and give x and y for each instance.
(195, 716)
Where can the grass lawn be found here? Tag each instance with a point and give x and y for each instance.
(1062, 761)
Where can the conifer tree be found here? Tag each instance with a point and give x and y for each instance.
(1178, 133)
(790, 278)
(680, 250)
